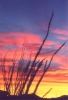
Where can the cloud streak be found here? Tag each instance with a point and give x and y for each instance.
(60, 31)
(15, 40)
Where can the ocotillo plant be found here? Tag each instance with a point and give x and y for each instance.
(26, 72)
(33, 63)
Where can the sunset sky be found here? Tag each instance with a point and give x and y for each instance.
(27, 21)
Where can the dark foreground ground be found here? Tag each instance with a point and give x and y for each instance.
(30, 97)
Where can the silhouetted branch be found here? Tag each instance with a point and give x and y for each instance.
(37, 54)
(38, 83)
(46, 93)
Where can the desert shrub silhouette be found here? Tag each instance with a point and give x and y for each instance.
(25, 77)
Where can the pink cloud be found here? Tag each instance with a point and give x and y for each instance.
(59, 31)
(48, 42)
(32, 41)
(17, 39)
(63, 38)
(62, 60)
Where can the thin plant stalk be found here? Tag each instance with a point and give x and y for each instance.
(37, 54)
